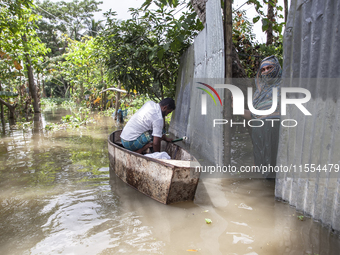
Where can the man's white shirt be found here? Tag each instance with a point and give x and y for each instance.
(149, 117)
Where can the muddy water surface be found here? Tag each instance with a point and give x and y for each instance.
(56, 197)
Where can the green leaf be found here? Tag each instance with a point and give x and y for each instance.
(175, 45)
(164, 2)
(278, 28)
(185, 25)
(151, 55)
(256, 19)
(265, 24)
(146, 4)
(166, 46)
(160, 53)
(208, 221)
(180, 38)
(301, 217)
(272, 3)
(174, 3)
(178, 24)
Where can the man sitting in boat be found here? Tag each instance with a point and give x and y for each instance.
(147, 125)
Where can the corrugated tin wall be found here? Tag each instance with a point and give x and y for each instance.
(311, 61)
(204, 59)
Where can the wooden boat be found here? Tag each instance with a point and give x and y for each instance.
(167, 181)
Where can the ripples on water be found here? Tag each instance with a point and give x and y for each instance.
(56, 197)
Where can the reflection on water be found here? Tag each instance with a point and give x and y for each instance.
(56, 197)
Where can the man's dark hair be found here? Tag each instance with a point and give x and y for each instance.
(169, 102)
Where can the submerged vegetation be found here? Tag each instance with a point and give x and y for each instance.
(78, 118)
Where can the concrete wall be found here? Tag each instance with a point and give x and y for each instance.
(311, 61)
(203, 60)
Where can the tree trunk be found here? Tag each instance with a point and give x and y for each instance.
(10, 107)
(81, 95)
(162, 93)
(2, 110)
(38, 86)
(32, 86)
(43, 88)
(66, 86)
(286, 10)
(105, 87)
(20, 90)
(270, 25)
(228, 46)
(12, 115)
(117, 100)
(37, 124)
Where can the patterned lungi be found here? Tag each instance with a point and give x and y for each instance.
(137, 144)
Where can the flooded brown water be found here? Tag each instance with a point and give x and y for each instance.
(56, 197)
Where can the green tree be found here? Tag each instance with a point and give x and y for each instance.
(62, 21)
(82, 68)
(69, 18)
(19, 40)
(52, 26)
(94, 27)
(249, 51)
(143, 52)
(270, 23)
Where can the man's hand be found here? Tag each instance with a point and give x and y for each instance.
(166, 139)
(157, 144)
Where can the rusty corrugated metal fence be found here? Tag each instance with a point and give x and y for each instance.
(204, 59)
(311, 61)
(311, 54)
